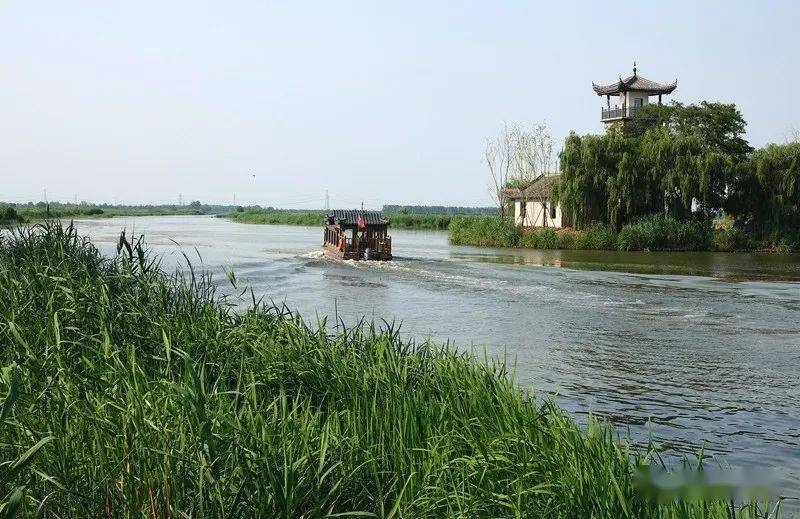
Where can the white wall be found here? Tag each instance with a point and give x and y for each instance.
(629, 98)
(537, 215)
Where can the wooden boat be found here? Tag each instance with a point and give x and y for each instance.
(357, 235)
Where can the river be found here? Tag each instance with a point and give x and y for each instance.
(693, 348)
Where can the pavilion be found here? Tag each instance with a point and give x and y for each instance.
(632, 93)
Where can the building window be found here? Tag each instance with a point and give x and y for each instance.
(552, 212)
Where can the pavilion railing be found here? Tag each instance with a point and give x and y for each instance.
(618, 112)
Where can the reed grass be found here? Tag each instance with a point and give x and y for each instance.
(10, 214)
(651, 233)
(315, 218)
(130, 392)
(484, 231)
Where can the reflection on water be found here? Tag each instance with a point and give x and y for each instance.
(694, 347)
(721, 265)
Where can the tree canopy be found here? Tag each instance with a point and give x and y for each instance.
(684, 160)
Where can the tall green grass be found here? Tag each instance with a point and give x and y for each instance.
(484, 231)
(9, 215)
(660, 232)
(128, 392)
(654, 233)
(307, 218)
(315, 218)
(41, 211)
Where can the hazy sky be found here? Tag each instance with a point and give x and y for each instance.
(138, 101)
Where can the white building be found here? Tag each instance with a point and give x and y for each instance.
(533, 206)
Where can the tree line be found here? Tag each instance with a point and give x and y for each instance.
(685, 161)
(437, 210)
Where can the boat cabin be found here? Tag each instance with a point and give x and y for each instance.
(357, 235)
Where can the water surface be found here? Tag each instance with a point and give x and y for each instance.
(697, 348)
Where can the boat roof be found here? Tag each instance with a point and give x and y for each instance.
(350, 217)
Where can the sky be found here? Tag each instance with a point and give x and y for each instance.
(275, 102)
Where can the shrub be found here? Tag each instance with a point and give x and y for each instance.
(783, 247)
(484, 231)
(566, 239)
(418, 221)
(9, 214)
(731, 239)
(545, 238)
(660, 232)
(597, 237)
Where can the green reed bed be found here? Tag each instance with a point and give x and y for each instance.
(128, 392)
(650, 233)
(315, 218)
(307, 218)
(10, 214)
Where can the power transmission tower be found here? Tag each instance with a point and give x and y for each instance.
(327, 201)
(180, 199)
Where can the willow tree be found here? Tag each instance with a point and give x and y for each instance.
(676, 158)
(765, 194)
(581, 190)
(690, 175)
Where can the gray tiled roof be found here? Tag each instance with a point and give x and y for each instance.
(635, 83)
(539, 188)
(350, 217)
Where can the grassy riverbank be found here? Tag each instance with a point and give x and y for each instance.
(129, 392)
(315, 218)
(20, 213)
(652, 233)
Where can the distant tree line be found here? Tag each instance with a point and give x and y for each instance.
(686, 162)
(438, 210)
(17, 213)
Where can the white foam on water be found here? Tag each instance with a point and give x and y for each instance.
(314, 254)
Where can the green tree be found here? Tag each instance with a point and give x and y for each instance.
(765, 192)
(676, 158)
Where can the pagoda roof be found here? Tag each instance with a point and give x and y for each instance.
(635, 83)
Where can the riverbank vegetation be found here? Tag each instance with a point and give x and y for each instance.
(653, 233)
(315, 218)
(437, 210)
(677, 177)
(130, 392)
(688, 162)
(17, 213)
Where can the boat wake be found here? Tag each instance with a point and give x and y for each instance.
(316, 254)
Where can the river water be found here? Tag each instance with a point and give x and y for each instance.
(696, 349)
